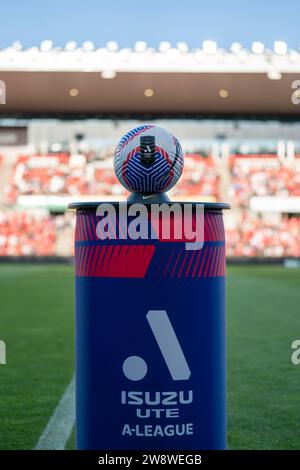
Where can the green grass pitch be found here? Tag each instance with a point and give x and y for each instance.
(263, 319)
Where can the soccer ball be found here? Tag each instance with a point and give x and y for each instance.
(148, 160)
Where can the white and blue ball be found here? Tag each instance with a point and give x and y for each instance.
(148, 160)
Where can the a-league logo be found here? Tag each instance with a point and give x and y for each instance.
(135, 368)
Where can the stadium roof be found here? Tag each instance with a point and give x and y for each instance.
(143, 80)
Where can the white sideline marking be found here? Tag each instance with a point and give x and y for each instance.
(60, 425)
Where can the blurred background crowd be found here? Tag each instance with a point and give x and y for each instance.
(263, 188)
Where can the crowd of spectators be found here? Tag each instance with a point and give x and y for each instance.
(249, 234)
(61, 174)
(261, 176)
(27, 234)
(200, 177)
(80, 174)
(252, 236)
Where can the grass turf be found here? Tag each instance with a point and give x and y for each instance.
(36, 323)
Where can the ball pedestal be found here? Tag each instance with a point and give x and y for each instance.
(150, 337)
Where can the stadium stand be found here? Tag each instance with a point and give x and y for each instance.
(26, 234)
(254, 237)
(200, 176)
(261, 175)
(61, 174)
(75, 174)
(240, 178)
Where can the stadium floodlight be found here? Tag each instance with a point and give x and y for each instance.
(164, 46)
(46, 45)
(88, 46)
(17, 46)
(199, 55)
(236, 47)
(108, 74)
(173, 53)
(125, 51)
(242, 55)
(257, 47)
(182, 46)
(280, 47)
(209, 47)
(223, 93)
(74, 92)
(140, 46)
(70, 46)
(294, 56)
(112, 46)
(148, 92)
(274, 75)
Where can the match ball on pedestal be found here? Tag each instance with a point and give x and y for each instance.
(148, 160)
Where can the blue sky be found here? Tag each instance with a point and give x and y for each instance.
(192, 21)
